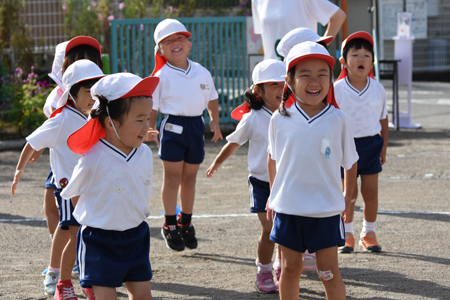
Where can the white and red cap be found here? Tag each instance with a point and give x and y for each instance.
(112, 87)
(305, 51)
(164, 29)
(82, 40)
(80, 70)
(357, 35)
(56, 74)
(297, 36)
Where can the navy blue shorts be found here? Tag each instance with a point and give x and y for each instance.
(305, 233)
(369, 151)
(182, 139)
(50, 184)
(110, 258)
(65, 209)
(259, 193)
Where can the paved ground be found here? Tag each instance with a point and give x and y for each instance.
(413, 224)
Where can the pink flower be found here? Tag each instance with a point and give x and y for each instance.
(89, 8)
(94, 4)
(64, 6)
(172, 9)
(110, 18)
(121, 5)
(142, 27)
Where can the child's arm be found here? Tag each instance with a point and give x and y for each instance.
(335, 23)
(74, 200)
(272, 169)
(25, 156)
(36, 155)
(152, 134)
(226, 152)
(349, 187)
(213, 110)
(385, 135)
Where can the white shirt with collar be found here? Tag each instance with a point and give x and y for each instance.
(113, 187)
(308, 153)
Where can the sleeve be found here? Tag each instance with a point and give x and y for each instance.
(213, 92)
(79, 182)
(271, 140)
(321, 10)
(46, 135)
(256, 20)
(349, 154)
(243, 131)
(384, 112)
(156, 96)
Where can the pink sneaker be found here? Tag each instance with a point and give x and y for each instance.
(264, 283)
(64, 291)
(89, 293)
(309, 262)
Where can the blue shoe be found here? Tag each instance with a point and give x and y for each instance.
(75, 269)
(50, 281)
(44, 272)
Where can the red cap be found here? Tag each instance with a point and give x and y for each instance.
(82, 40)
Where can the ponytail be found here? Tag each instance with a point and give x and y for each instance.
(254, 100)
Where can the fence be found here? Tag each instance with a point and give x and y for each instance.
(218, 44)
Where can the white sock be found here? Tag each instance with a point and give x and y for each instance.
(51, 236)
(349, 228)
(264, 268)
(368, 227)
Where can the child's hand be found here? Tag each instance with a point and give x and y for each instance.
(213, 168)
(152, 135)
(348, 202)
(269, 211)
(214, 126)
(16, 180)
(383, 156)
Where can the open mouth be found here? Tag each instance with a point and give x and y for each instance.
(177, 50)
(313, 92)
(360, 67)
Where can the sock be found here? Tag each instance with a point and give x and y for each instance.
(185, 218)
(349, 228)
(368, 227)
(65, 281)
(264, 268)
(56, 270)
(170, 220)
(51, 236)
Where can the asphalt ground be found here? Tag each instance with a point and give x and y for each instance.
(413, 225)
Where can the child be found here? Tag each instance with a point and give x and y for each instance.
(185, 90)
(262, 99)
(308, 140)
(300, 35)
(364, 100)
(110, 187)
(53, 134)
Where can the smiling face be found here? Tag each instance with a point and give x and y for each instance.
(272, 93)
(358, 62)
(175, 48)
(311, 82)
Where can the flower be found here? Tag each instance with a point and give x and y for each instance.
(64, 6)
(32, 67)
(172, 9)
(89, 8)
(94, 4)
(121, 5)
(110, 18)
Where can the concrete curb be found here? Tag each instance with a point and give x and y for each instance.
(12, 144)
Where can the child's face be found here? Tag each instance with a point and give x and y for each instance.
(359, 62)
(311, 81)
(84, 100)
(175, 48)
(273, 92)
(135, 124)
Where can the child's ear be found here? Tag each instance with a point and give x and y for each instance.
(342, 61)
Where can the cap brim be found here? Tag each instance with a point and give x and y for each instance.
(326, 39)
(279, 79)
(145, 87)
(329, 59)
(82, 40)
(187, 33)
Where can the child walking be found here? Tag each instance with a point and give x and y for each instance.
(110, 187)
(185, 90)
(262, 99)
(70, 115)
(308, 140)
(364, 101)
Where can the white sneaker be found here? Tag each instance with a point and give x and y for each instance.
(50, 281)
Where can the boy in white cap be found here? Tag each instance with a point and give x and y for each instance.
(365, 102)
(70, 115)
(262, 99)
(185, 90)
(308, 140)
(274, 18)
(110, 187)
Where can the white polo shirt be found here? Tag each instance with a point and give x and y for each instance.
(364, 108)
(308, 153)
(53, 134)
(183, 92)
(52, 100)
(113, 187)
(274, 18)
(254, 127)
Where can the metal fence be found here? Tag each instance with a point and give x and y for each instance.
(218, 44)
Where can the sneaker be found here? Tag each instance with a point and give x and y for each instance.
(264, 283)
(369, 243)
(172, 236)
(64, 291)
(309, 262)
(349, 244)
(44, 272)
(89, 293)
(188, 235)
(277, 271)
(75, 269)
(50, 281)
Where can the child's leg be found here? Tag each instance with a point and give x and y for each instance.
(139, 290)
(69, 254)
(369, 191)
(50, 210)
(187, 187)
(292, 266)
(265, 245)
(60, 239)
(328, 270)
(105, 293)
(172, 179)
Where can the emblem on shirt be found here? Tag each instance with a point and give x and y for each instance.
(119, 190)
(327, 152)
(63, 182)
(204, 86)
(149, 180)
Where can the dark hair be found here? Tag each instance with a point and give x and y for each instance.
(85, 83)
(254, 100)
(82, 52)
(358, 43)
(322, 43)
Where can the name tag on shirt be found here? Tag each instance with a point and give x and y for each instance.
(174, 128)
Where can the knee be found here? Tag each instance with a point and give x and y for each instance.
(172, 179)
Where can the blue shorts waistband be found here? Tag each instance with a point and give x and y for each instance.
(191, 118)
